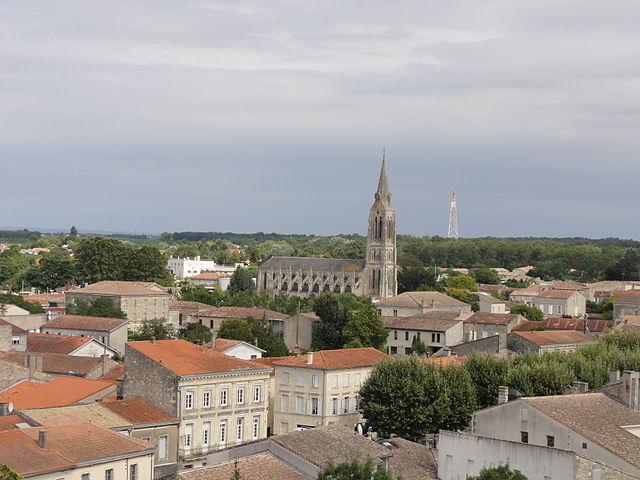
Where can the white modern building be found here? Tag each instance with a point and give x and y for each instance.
(185, 267)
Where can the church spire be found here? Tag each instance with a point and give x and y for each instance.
(383, 183)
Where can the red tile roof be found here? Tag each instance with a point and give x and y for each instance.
(66, 447)
(335, 359)
(209, 276)
(184, 358)
(557, 294)
(554, 337)
(243, 312)
(118, 288)
(188, 305)
(115, 375)
(15, 330)
(45, 343)
(9, 422)
(138, 410)
(486, 318)
(558, 323)
(81, 322)
(58, 392)
(45, 299)
(57, 363)
(628, 296)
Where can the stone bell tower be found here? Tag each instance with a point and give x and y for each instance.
(381, 269)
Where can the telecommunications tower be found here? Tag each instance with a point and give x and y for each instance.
(453, 217)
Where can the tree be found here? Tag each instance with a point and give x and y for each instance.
(236, 475)
(327, 332)
(252, 329)
(146, 264)
(100, 307)
(7, 474)
(503, 472)
(354, 470)
(405, 397)
(99, 259)
(365, 327)
(626, 268)
(154, 328)
(540, 379)
(418, 347)
(461, 398)
(487, 373)
(10, 299)
(414, 278)
(215, 297)
(241, 281)
(460, 281)
(196, 333)
(73, 232)
(530, 313)
(56, 270)
(486, 275)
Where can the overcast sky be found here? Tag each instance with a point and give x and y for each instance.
(271, 116)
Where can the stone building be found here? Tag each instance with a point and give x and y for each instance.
(568, 303)
(626, 303)
(482, 325)
(410, 304)
(138, 300)
(112, 332)
(547, 341)
(220, 401)
(434, 333)
(376, 275)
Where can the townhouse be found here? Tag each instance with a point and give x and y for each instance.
(111, 332)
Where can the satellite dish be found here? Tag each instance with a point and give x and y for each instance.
(10, 407)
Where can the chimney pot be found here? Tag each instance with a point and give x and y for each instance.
(153, 339)
(310, 358)
(42, 438)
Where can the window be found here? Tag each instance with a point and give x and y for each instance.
(86, 476)
(345, 405)
(551, 440)
(188, 400)
(284, 403)
(395, 313)
(162, 447)
(299, 404)
(257, 393)
(315, 406)
(240, 396)
(334, 380)
(133, 471)
(358, 379)
(418, 335)
(559, 309)
(108, 474)
(299, 380)
(206, 399)
(223, 432)
(240, 428)
(393, 350)
(406, 336)
(408, 350)
(345, 380)
(255, 431)
(357, 403)
(584, 445)
(524, 437)
(188, 435)
(334, 406)
(435, 338)
(206, 433)
(224, 397)
(395, 334)
(314, 380)
(285, 378)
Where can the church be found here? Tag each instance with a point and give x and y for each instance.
(375, 276)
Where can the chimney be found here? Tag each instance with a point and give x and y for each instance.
(42, 439)
(213, 339)
(614, 376)
(310, 358)
(446, 351)
(255, 341)
(579, 387)
(6, 409)
(153, 339)
(630, 390)
(103, 361)
(503, 395)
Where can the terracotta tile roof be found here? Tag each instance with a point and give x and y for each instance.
(243, 312)
(45, 343)
(309, 315)
(417, 299)
(67, 446)
(109, 287)
(262, 466)
(490, 299)
(602, 426)
(628, 296)
(58, 392)
(559, 323)
(94, 413)
(9, 422)
(557, 294)
(554, 337)
(335, 359)
(530, 291)
(337, 444)
(411, 461)
(11, 373)
(209, 276)
(58, 363)
(418, 323)
(184, 358)
(486, 318)
(80, 322)
(138, 411)
(15, 330)
(115, 375)
(185, 305)
(45, 299)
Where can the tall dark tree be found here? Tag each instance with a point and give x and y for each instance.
(56, 270)
(414, 278)
(487, 373)
(100, 307)
(146, 264)
(196, 333)
(73, 232)
(530, 313)
(99, 259)
(241, 281)
(327, 332)
(252, 330)
(154, 328)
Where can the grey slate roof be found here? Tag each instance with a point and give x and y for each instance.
(317, 264)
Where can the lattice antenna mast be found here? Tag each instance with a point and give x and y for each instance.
(453, 217)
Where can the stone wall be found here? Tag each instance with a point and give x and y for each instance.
(5, 337)
(587, 469)
(145, 378)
